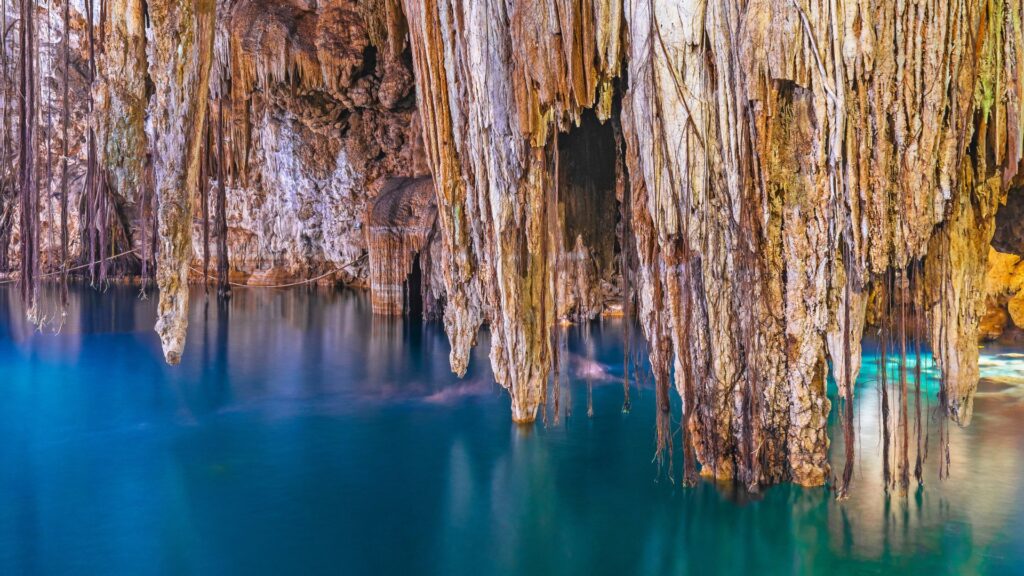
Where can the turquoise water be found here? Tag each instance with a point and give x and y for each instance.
(302, 436)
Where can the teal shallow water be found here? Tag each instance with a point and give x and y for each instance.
(302, 436)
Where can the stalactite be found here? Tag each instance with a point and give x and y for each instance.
(36, 315)
(223, 286)
(493, 219)
(27, 179)
(7, 188)
(46, 97)
(847, 394)
(205, 176)
(649, 294)
(143, 225)
(783, 103)
(65, 123)
(843, 342)
(86, 201)
(955, 280)
(179, 60)
(775, 158)
(148, 221)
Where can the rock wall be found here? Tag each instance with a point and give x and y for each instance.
(322, 110)
(1004, 295)
(304, 152)
(400, 225)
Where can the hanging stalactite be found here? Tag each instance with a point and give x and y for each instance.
(8, 175)
(28, 184)
(65, 125)
(223, 285)
(765, 125)
(179, 65)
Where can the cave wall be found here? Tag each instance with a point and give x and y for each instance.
(322, 111)
(1004, 296)
(51, 46)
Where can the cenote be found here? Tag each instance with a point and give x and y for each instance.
(301, 434)
(511, 287)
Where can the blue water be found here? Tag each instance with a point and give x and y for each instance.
(300, 435)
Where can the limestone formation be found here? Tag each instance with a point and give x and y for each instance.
(120, 100)
(321, 110)
(764, 141)
(756, 182)
(399, 226)
(1004, 295)
(179, 64)
(1009, 234)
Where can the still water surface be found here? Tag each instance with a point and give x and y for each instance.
(300, 435)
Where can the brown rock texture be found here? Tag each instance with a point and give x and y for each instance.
(782, 155)
(179, 65)
(321, 110)
(399, 226)
(120, 100)
(1004, 294)
(1009, 234)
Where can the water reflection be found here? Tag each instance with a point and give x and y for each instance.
(302, 435)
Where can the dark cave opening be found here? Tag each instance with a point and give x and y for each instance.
(414, 291)
(1009, 235)
(587, 166)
